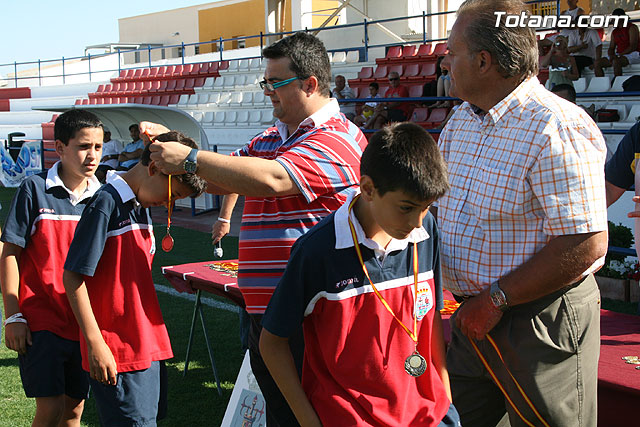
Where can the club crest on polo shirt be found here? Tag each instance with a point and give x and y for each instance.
(424, 300)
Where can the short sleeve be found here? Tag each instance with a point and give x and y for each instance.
(620, 169)
(20, 218)
(568, 180)
(285, 312)
(90, 236)
(326, 162)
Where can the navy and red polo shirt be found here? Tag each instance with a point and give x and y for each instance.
(353, 371)
(323, 158)
(113, 248)
(42, 219)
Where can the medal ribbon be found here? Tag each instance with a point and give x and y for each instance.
(170, 207)
(384, 302)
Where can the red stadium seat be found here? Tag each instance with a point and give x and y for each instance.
(188, 83)
(409, 52)
(424, 50)
(420, 115)
(173, 99)
(153, 72)
(167, 86)
(137, 74)
(381, 72)
(179, 85)
(223, 65)
(155, 100)
(199, 81)
(394, 53)
(164, 100)
(138, 100)
(427, 72)
(440, 49)
(177, 71)
(145, 74)
(436, 117)
(410, 70)
(415, 91)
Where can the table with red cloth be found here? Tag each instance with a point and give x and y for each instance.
(618, 382)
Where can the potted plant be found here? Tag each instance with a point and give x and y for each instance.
(618, 277)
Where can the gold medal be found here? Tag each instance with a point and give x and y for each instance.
(630, 357)
(167, 240)
(414, 365)
(633, 362)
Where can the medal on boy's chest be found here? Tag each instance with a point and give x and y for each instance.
(167, 240)
(414, 365)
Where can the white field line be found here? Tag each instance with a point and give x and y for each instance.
(192, 297)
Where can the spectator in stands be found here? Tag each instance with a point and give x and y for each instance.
(562, 66)
(585, 46)
(292, 175)
(574, 10)
(442, 86)
(364, 120)
(130, 156)
(624, 48)
(522, 229)
(341, 91)
(111, 149)
(565, 91)
(397, 111)
(41, 223)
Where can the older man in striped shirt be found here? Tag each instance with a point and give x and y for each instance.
(523, 227)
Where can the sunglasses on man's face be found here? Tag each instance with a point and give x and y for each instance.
(264, 84)
(392, 79)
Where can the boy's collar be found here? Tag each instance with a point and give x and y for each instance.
(54, 180)
(343, 233)
(124, 190)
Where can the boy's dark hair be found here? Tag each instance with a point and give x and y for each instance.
(403, 156)
(197, 184)
(70, 122)
(571, 91)
(374, 84)
(133, 126)
(308, 58)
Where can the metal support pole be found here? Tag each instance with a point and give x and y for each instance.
(118, 49)
(261, 43)
(39, 75)
(220, 48)
(424, 27)
(149, 53)
(63, 74)
(89, 59)
(183, 53)
(15, 72)
(366, 41)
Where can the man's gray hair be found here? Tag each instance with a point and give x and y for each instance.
(514, 50)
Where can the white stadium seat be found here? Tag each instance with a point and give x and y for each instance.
(617, 83)
(580, 85)
(599, 84)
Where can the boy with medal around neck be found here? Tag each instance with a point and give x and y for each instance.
(107, 277)
(365, 285)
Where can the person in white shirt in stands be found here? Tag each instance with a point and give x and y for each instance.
(111, 149)
(341, 91)
(585, 46)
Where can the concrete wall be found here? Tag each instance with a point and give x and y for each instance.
(161, 28)
(240, 18)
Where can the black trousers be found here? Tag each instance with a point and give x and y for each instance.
(279, 414)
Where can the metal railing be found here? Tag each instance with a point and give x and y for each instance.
(366, 26)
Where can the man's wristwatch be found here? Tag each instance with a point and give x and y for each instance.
(498, 298)
(190, 163)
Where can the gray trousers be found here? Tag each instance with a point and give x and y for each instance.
(551, 346)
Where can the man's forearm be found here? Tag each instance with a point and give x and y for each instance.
(558, 264)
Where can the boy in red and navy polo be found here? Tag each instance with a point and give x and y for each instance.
(39, 322)
(109, 285)
(365, 285)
